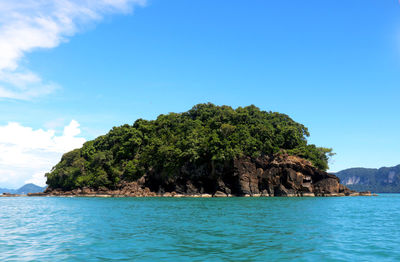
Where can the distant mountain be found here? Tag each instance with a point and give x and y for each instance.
(6, 190)
(28, 188)
(382, 180)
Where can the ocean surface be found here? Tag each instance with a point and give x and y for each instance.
(190, 229)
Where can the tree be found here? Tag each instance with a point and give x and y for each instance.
(205, 134)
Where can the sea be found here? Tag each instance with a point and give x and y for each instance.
(200, 229)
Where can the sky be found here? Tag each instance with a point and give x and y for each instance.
(70, 70)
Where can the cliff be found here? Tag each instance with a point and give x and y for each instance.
(382, 180)
(281, 175)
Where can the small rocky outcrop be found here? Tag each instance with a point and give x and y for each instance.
(10, 195)
(124, 189)
(267, 176)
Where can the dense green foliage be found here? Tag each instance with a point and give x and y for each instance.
(383, 180)
(206, 133)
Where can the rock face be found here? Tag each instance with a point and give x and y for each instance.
(264, 176)
(382, 180)
(283, 176)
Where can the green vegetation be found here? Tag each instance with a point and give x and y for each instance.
(206, 133)
(382, 180)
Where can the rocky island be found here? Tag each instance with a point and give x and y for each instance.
(208, 151)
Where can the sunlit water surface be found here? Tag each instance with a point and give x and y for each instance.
(189, 229)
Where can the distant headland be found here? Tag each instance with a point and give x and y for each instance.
(382, 180)
(24, 190)
(207, 151)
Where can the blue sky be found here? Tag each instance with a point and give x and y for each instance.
(332, 65)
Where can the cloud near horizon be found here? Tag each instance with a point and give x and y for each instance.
(27, 154)
(27, 25)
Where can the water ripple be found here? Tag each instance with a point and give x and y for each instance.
(230, 229)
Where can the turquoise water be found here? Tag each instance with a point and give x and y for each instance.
(226, 229)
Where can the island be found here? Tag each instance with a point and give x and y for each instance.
(382, 180)
(208, 151)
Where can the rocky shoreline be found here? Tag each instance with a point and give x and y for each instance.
(170, 194)
(174, 194)
(267, 176)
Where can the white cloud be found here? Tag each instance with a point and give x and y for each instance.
(27, 154)
(37, 179)
(26, 25)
